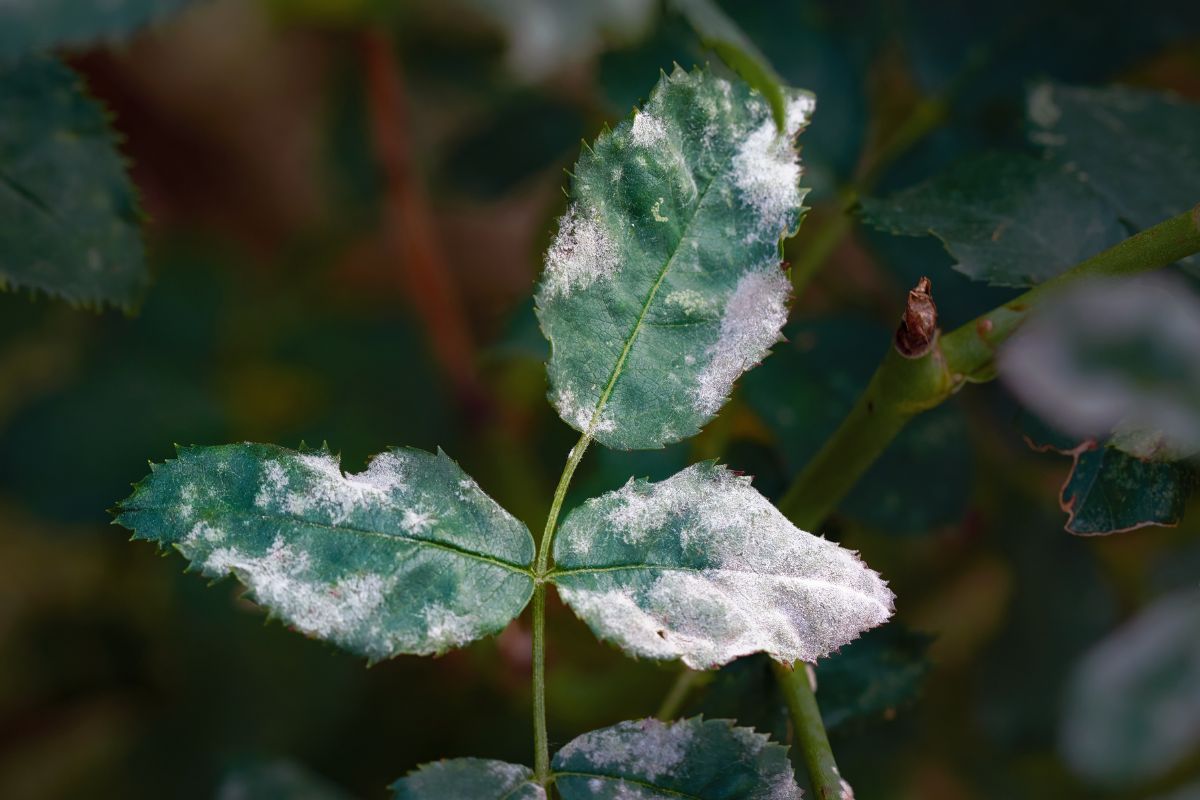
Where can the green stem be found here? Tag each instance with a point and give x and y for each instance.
(541, 740)
(901, 387)
(811, 738)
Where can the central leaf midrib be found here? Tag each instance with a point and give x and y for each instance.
(342, 528)
(662, 275)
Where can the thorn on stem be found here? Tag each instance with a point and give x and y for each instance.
(918, 326)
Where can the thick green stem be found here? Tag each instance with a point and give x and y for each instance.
(811, 738)
(903, 387)
(541, 740)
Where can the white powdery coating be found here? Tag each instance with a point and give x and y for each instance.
(766, 585)
(647, 130)
(754, 314)
(582, 253)
(328, 491)
(645, 749)
(281, 579)
(445, 629)
(767, 171)
(578, 414)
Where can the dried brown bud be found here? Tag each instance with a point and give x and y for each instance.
(918, 326)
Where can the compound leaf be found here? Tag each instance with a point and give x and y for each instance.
(408, 556)
(1138, 149)
(693, 758)
(69, 220)
(1010, 220)
(701, 567)
(663, 284)
(1133, 702)
(476, 778)
(30, 25)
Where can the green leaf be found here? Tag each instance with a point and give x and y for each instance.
(1007, 219)
(719, 32)
(925, 476)
(1109, 491)
(1114, 356)
(278, 780)
(30, 25)
(1133, 702)
(409, 556)
(663, 284)
(1138, 149)
(701, 567)
(693, 758)
(872, 677)
(475, 778)
(69, 220)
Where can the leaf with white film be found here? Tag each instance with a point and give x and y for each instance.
(694, 758)
(408, 556)
(475, 778)
(664, 282)
(701, 567)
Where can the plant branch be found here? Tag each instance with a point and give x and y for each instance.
(810, 732)
(903, 387)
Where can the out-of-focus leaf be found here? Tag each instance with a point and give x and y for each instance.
(1007, 219)
(701, 567)
(872, 677)
(734, 47)
(69, 220)
(409, 556)
(29, 25)
(475, 778)
(1139, 149)
(693, 758)
(278, 780)
(1133, 704)
(663, 284)
(545, 36)
(1110, 491)
(806, 389)
(1114, 355)
(869, 679)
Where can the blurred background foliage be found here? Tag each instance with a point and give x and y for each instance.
(347, 205)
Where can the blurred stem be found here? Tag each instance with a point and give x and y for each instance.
(810, 731)
(541, 741)
(410, 234)
(677, 694)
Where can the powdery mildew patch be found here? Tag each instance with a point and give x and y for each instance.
(649, 759)
(707, 570)
(646, 749)
(283, 579)
(582, 253)
(767, 171)
(754, 315)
